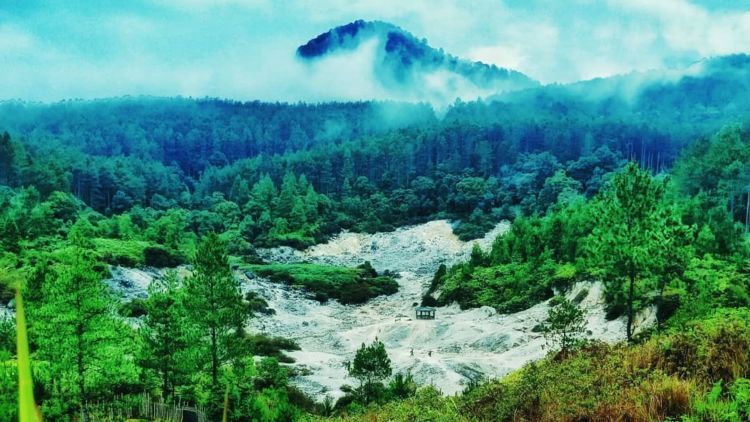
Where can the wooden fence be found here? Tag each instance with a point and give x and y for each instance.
(141, 407)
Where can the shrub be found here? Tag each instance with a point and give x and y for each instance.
(583, 294)
(565, 324)
(348, 285)
(128, 253)
(264, 345)
(161, 257)
(134, 309)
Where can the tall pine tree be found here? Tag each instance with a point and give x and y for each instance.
(214, 302)
(635, 236)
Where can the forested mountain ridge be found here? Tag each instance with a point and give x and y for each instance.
(403, 62)
(370, 165)
(162, 182)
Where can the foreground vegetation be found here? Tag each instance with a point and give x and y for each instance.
(81, 190)
(698, 372)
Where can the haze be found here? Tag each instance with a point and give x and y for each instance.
(244, 49)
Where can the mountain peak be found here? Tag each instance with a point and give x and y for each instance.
(404, 63)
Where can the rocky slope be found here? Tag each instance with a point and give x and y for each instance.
(447, 352)
(456, 347)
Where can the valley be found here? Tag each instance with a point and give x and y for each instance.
(449, 352)
(359, 211)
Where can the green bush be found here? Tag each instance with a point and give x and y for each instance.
(348, 285)
(161, 257)
(507, 288)
(265, 345)
(128, 253)
(134, 309)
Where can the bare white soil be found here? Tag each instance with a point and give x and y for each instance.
(447, 352)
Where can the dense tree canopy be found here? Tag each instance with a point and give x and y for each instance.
(162, 182)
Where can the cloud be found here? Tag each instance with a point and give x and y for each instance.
(687, 27)
(205, 5)
(509, 57)
(244, 49)
(14, 40)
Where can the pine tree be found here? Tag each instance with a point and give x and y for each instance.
(77, 331)
(298, 216)
(240, 191)
(214, 301)
(287, 195)
(7, 160)
(371, 366)
(565, 323)
(262, 196)
(635, 235)
(166, 332)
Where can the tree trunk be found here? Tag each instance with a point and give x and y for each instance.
(81, 367)
(214, 358)
(165, 385)
(631, 290)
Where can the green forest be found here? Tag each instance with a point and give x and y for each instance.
(649, 196)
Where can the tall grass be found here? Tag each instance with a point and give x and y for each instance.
(27, 410)
(225, 416)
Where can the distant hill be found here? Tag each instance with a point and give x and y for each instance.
(409, 68)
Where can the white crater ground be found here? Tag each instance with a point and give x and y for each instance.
(447, 352)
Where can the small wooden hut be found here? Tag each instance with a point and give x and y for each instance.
(425, 312)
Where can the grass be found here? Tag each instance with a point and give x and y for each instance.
(347, 285)
(135, 253)
(697, 373)
(27, 410)
(128, 253)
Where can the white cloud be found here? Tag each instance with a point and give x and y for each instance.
(245, 48)
(14, 40)
(688, 27)
(510, 57)
(204, 5)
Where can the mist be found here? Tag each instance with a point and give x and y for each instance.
(245, 49)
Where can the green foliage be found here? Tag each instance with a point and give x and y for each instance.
(82, 187)
(161, 257)
(637, 238)
(650, 381)
(717, 169)
(565, 324)
(348, 285)
(371, 365)
(265, 345)
(427, 405)
(525, 264)
(86, 346)
(128, 253)
(27, 410)
(213, 299)
(135, 253)
(722, 405)
(7, 337)
(437, 281)
(508, 288)
(168, 337)
(402, 386)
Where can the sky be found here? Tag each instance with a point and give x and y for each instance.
(245, 49)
